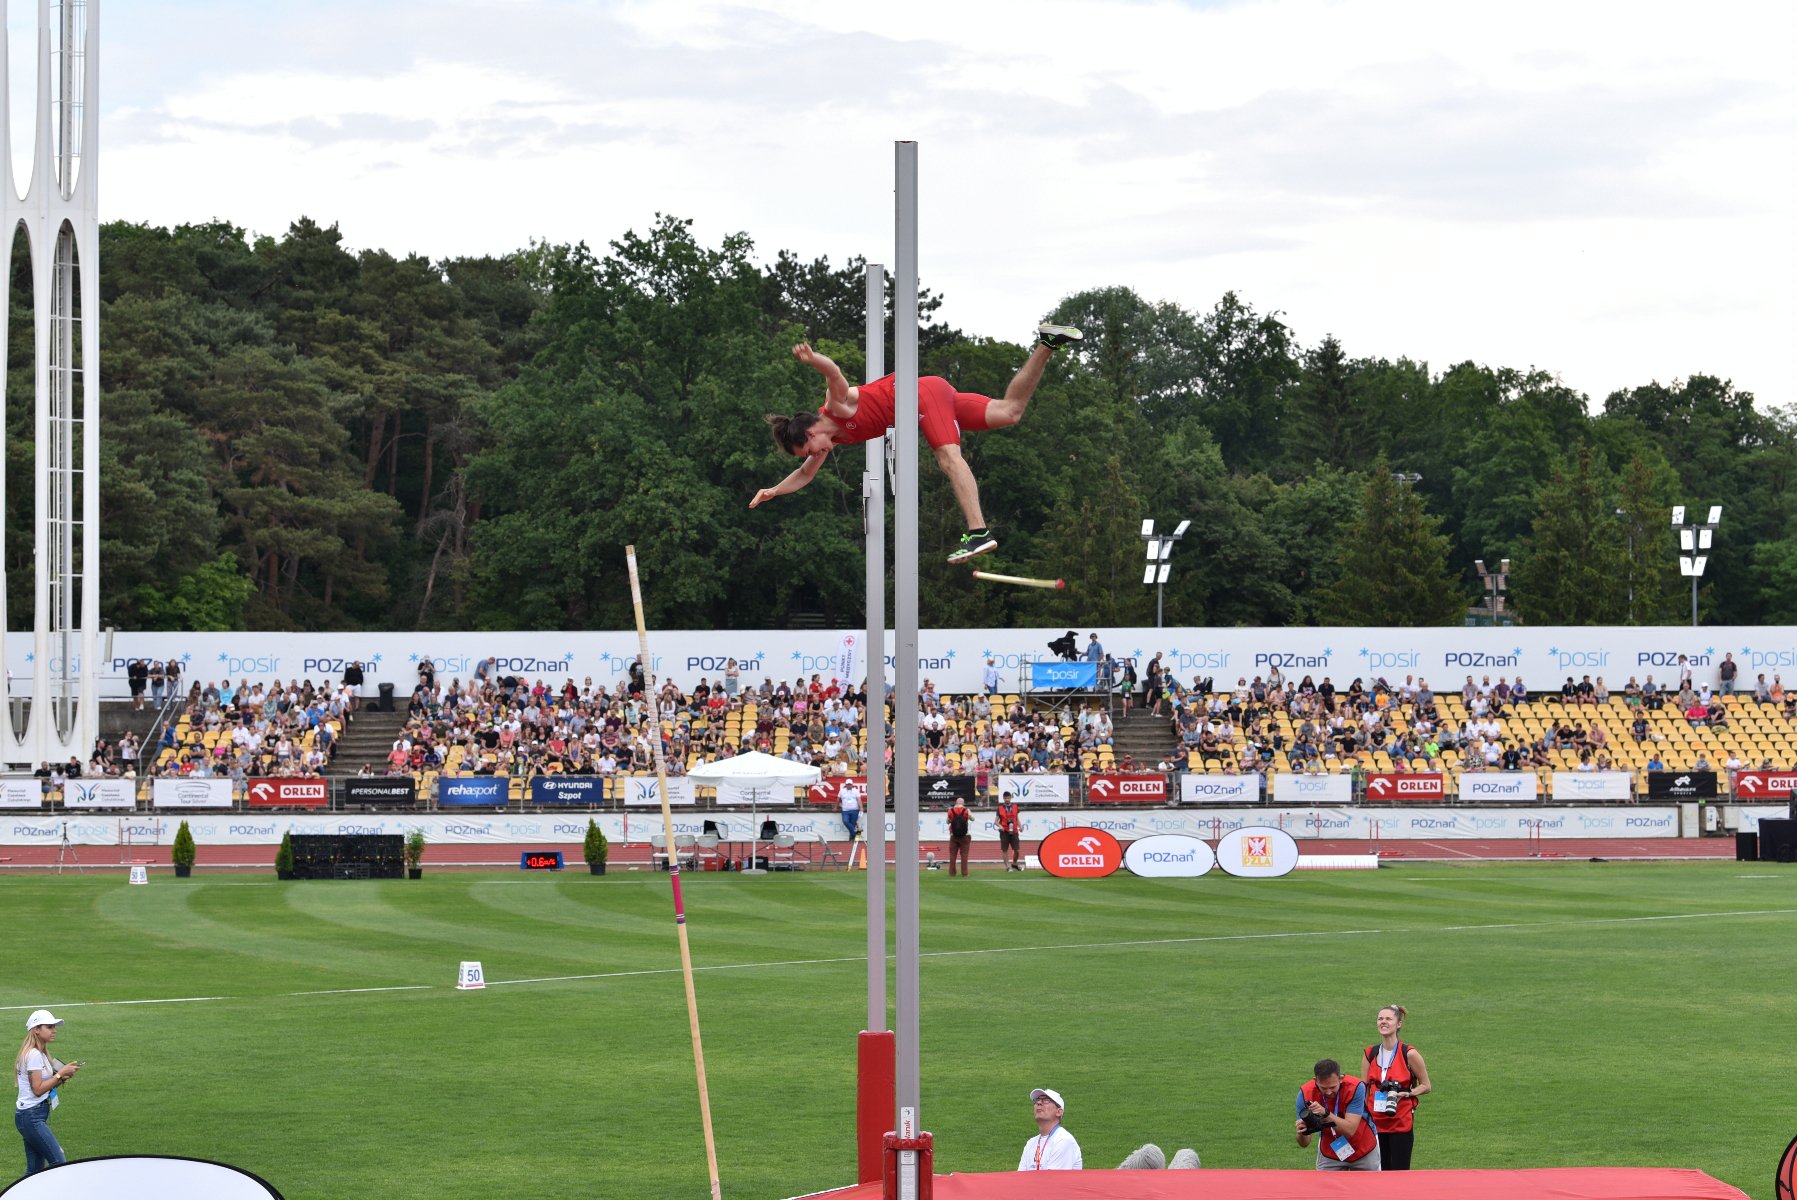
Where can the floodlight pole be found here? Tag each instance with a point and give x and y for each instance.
(873, 498)
(908, 1029)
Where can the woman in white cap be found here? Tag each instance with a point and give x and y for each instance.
(1053, 1148)
(39, 1077)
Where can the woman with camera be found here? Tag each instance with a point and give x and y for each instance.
(1395, 1076)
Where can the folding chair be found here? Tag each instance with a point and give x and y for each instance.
(784, 856)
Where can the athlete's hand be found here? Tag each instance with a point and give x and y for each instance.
(804, 353)
(765, 494)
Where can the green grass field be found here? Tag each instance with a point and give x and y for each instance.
(1571, 1014)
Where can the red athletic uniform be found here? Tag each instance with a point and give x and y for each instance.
(942, 412)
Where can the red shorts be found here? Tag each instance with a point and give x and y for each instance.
(942, 412)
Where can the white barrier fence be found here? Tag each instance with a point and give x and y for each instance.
(1424, 824)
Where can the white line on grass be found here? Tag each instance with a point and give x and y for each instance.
(819, 962)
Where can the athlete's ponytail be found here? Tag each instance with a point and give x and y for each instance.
(791, 433)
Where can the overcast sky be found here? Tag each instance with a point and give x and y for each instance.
(1603, 190)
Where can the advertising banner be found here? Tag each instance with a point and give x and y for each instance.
(380, 789)
(1168, 855)
(587, 791)
(1499, 786)
(1404, 785)
(287, 793)
(944, 790)
(642, 790)
(110, 793)
(1257, 853)
(1036, 789)
(21, 791)
(729, 792)
(1074, 676)
(1126, 789)
(824, 791)
(1752, 815)
(1681, 785)
(1218, 789)
(189, 793)
(1313, 789)
(846, 654)
(1593, 785)
(1764, 785)
(1079, 852)
(473, 791)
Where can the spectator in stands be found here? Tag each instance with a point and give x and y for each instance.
(989, 678)
(137, 674)
(1653, 761)
(1762, 691)
(1638, 730)
(1726, 672)
(1346, 1140)
(1053, 1148)
(1390, 1061)
(1600, 691)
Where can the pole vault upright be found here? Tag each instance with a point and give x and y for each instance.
(907, 1027)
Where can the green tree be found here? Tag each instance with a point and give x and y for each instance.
(1328, 422)
(1572, 570)
(1393, 564)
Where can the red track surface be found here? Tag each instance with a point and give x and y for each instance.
(985, 854)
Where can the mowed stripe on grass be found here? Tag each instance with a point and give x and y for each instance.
(1184, 1012)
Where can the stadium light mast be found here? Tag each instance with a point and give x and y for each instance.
(1694, 540)
(1494, 584)
(1160, 551)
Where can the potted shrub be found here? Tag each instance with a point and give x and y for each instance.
(595, 849)
(284, 857)
(415, 854)
(181, 853)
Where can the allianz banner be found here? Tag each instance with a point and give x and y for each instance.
(1499, 786)
(473, 791)
(1127, 789)
(110, 793)
(21, 791)
(1036, 789)
(1665, 785)
(191, 793)
(1593, 785)
(643, 790)
(1218, 789)
(946, 789)
(1313, 789)
(381, 790)
(1404, 786)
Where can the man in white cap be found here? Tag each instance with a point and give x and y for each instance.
(39, 1076)
(1053, 1148)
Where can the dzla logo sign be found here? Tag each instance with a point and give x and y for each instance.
(1257, 852)
(1080, 852)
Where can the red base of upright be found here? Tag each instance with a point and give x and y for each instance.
(876, 1078)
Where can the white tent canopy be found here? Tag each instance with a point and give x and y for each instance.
(755, 772)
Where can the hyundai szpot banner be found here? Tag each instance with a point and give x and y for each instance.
(1036, 789)
(1257, 853)
(1765, 785)
(1219, 789)
(1168, 856)
(114, 793)
(1080, 852)
(473, 791)
(1404, 785)
(21, 792)
(1593, 785)
(1313, 789)
(286, 793)
(585, 790)
(1499, 786)
(1127, 789)
(191, 793)
(644, 790)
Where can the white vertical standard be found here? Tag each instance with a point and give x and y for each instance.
(873, 807)
(908, 1070)
(59, 214)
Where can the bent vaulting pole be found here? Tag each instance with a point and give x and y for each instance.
(667, 827)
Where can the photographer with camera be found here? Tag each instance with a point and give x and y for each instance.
(1332, 1106)
(1397, 1075)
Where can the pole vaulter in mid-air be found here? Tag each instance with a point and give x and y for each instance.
(853, 414)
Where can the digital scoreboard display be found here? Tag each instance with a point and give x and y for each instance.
(540, 860)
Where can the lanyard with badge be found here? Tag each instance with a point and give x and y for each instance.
(1339, 1145)
(1042, 1144)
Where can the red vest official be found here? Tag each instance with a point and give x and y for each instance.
(1364, 1139)
(1400, 1121)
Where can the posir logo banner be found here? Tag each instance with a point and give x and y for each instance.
(1593, 785)
(1168, 856)
(1313, 789)
(1080, 852)
(1257, 853)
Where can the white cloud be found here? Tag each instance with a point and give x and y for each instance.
(1601, 190)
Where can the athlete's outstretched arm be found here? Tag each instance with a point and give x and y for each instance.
(842, 400)
(792, 483)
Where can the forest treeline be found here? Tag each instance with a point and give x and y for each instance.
(296, 435)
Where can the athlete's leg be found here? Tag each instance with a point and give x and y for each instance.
(1008, 410)
(960, 478)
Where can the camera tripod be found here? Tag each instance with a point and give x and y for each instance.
(67, 854)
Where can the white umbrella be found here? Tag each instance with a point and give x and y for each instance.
(755, 772)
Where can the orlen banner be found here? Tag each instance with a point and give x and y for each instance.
(1765, 785)
(1257, 853)
(1169, 856)
(825, 790)
(1080, 852)
(286, 793)
(1404, 785)
(1499, 785)
(1127, 789)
